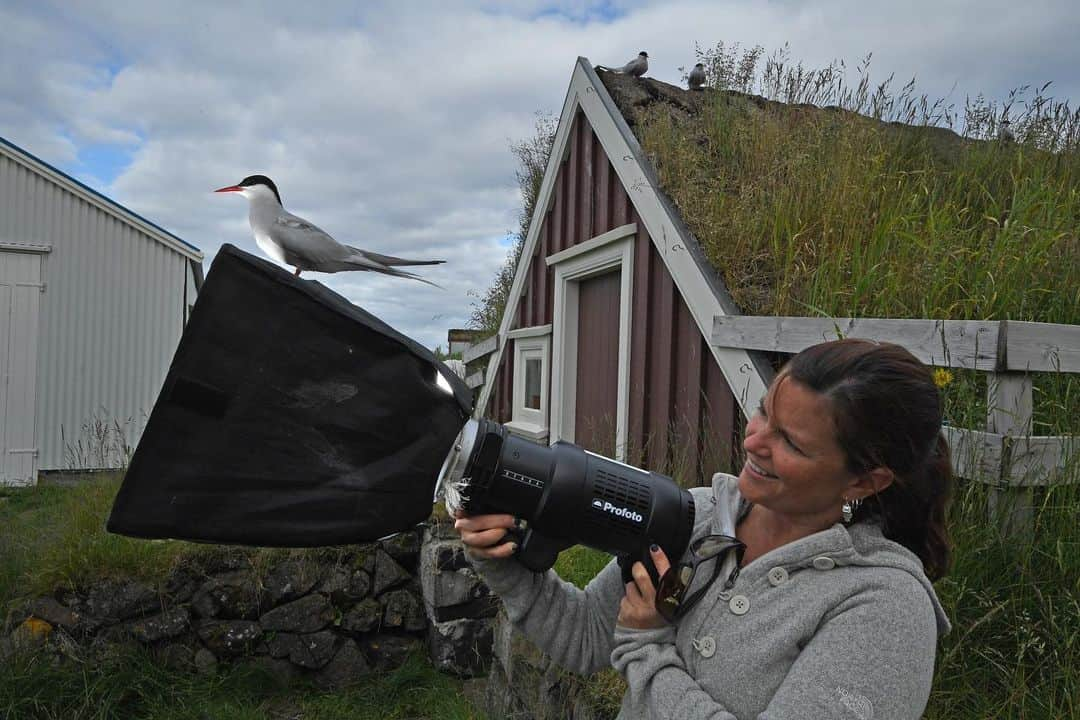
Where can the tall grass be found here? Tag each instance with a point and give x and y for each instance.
(875, 207)
(1015, 608)
(53, 536)
(80, 550)
(130, 683)
(833, 212)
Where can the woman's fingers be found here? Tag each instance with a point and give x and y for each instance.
(485, 535)
(484, 538)
(504, 550)
(636, 610)
(660, 560)
(476, 523)
(642, 582)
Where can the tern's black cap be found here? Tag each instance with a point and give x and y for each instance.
(251, 180)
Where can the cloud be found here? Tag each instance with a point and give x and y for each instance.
(389, 124)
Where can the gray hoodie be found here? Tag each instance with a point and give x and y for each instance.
(840, 624)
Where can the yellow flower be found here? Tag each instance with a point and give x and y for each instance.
(942, 377)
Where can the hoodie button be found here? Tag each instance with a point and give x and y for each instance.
(706, 646)
(740, 604)
(824, 563)
(778, 576)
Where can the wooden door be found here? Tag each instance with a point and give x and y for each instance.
(20, 292)
(597, 363)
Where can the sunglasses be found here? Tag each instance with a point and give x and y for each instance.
(671, 600)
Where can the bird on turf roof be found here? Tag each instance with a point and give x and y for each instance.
(1005, 133)
(636, 67)
(696, 79)
(294, 241)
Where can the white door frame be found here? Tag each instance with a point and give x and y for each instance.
(604, 253)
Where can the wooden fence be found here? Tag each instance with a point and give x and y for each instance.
(1005, 454)
(475, 352)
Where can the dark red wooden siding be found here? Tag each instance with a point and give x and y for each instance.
(682, 413)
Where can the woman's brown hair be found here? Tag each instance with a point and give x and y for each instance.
(887, 412)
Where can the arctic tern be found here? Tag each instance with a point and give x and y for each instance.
(696, 79)
(294, 241)
(636, 67)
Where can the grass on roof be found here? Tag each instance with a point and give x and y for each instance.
(807, 211)
(810, 211)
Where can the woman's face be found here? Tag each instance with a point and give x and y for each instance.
(794, 464)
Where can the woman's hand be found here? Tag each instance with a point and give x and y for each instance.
(485, 535)
(638, 607)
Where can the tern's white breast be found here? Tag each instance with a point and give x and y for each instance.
(269, 247)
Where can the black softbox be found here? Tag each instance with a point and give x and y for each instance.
(289, 417)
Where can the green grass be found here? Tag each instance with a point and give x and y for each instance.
(55, 536)
(131, 685)
(830, 213)
(1015, 608)
(579, 564)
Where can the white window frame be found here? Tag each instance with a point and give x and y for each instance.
(602, 254)
(529, 343)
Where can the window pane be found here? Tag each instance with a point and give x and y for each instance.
(532, 383)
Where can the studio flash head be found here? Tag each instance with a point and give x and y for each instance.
(567, 496)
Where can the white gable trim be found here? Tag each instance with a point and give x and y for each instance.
(20, 156)
(528, 332)
(738, 367)
(589, 245)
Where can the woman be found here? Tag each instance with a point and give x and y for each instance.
(823, 607)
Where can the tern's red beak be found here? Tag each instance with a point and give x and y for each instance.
(231, 188)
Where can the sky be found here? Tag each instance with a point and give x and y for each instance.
(389, 125)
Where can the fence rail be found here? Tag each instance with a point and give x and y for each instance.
(480, 349)
(1005, 454)
(1025, 461)
(991, 346)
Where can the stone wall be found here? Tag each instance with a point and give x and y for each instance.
(459, 606)
(331, 614)
(524, 684)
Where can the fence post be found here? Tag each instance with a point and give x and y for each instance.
(1009, 412)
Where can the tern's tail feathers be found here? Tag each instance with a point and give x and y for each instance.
(411, 276)
(390, 260)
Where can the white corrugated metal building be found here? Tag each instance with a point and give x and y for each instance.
(93, 299)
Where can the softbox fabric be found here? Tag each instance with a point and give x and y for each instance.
(289, 417)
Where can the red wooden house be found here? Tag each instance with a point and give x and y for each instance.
(605, 337)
